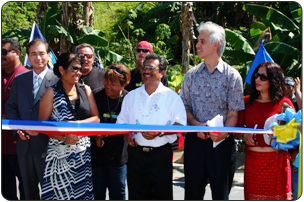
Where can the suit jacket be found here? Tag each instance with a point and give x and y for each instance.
(21, 105)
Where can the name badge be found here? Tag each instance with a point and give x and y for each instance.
(139, 84)
(107, 115)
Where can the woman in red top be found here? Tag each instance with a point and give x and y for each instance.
(267, 171)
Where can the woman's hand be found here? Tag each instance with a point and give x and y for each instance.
(249, 139)
(71, 139)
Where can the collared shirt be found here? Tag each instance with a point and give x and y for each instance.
(41, 75)
(208, 94)
(163, 107)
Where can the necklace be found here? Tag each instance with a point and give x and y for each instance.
(110, 111)
(153, 106)
(71, 93)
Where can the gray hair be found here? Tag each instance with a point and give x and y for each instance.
(217, 34)
(84, 45)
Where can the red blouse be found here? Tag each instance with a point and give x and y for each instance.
(258, 113)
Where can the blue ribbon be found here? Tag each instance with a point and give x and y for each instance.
(56, 126)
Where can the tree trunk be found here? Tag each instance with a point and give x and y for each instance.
(87, 14)
(65, 23)
(186, 26)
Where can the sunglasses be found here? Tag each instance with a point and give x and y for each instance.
(74, 68)
(5, 52)
(116, 69)
(141, 49)
(149, 68)
(89, 56)
(263, 77)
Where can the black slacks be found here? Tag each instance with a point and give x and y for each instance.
(204, 164)
(32, 170)
(149, 174)
(10, 170)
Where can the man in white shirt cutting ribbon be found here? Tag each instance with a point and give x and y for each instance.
(149, 174)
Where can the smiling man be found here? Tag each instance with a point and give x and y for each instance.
(149, 173)
(93, 77)
(211, 88)
(143, 49)
(23, 104)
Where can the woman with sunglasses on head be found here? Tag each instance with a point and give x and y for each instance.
(267, 174)
(68, 174)
(109, 153)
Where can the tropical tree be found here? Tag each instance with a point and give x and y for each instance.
(286, 43)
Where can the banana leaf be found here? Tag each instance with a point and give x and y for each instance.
(271, 14)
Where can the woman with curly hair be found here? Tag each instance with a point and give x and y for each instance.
(267, 174)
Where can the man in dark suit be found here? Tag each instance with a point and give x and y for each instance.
(23, 104)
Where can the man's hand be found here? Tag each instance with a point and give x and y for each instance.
(131, 141)
(99, 141)
(150, 135)
(202, 135)
(23, 135)
(32, 133)
(216, 137)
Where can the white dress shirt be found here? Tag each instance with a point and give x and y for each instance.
(163, 107)
(41, 75)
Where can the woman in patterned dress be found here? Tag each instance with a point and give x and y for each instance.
(68, 172)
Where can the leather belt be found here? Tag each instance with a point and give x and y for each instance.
(150, 149)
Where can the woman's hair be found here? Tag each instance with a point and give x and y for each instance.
(64, 60)
(118, 72)
(276, 82)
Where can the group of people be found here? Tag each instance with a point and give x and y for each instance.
(71, 167)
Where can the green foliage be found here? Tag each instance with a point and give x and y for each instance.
(18, 15)
(119, 26)
(285, 46)
(272, 15)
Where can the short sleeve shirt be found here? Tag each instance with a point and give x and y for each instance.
(163, 107)
(208, 94)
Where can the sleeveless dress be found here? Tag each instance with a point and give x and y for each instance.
(68, 171)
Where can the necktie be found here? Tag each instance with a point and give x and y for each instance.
(37, 84)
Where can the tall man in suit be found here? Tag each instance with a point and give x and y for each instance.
(23, 104)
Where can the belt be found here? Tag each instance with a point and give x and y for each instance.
(151, 149)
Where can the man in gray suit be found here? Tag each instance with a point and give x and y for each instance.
(23, 104)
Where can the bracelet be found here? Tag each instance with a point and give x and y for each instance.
(161, 134)
(64, 139)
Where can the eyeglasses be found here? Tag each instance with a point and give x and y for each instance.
(141, 49)
(263, 77)
(89, 56)
(150, 68)
(74, 68)
(5, 52)
(116, 69)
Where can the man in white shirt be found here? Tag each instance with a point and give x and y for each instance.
(150, 155)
